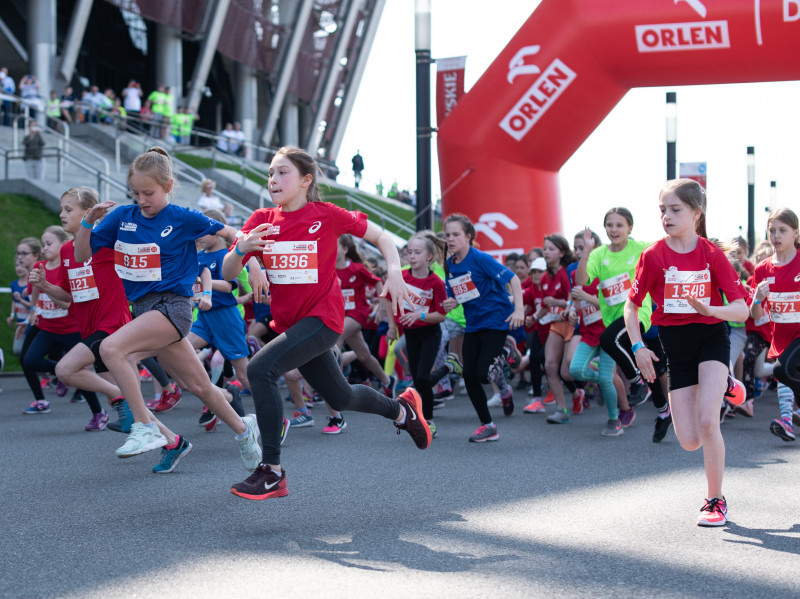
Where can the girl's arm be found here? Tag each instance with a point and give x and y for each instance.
(206, 283)
(83, 246)
(60, 296)
(517, 317)
(643, 356)
(581, 276)
(736, 311)
(395, 285)
(227, 233)
(761, 293)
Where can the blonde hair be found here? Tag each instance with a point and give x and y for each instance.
(155, 163)
(86, 197)
(207, 184)
(216, 215)
(57, 232)
(435, 245)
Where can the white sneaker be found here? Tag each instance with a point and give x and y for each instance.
(494, 401)
(141, 439)
(249, 447)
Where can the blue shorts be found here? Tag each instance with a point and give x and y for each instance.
(225, 329)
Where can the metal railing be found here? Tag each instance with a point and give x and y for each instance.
(380, 213)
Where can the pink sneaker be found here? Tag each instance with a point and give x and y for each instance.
(336, 425)
(535, 407)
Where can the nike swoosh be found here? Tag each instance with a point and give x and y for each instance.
(413, 413)
(268, 487)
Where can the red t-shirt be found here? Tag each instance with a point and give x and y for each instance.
(98, 296)
(591, 320)
(354, 280)
(667, 274)
(783, 301)
(558, 287)
(763, 326)
(430, 293)
(52, 318)
(301, 265)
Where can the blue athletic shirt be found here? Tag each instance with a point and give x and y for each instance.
(213, 261)
(478, 271)
(154, 255)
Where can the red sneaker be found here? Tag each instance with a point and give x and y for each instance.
(169, 399)
(549, 400)
(415, 424)
(577, 401)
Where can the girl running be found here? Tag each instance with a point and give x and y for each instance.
(308, 309)
(156, 257)
(776, 294)
(478, 282)
(685, 273)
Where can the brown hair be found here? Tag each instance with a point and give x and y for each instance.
(466, 226)
(352, 254)
(691, 193)
(435, 245)
(156, 163)
(216, 215)
(562, 244)
(34, 245)
(86, 197)
(788, 218)
(623, 212)
(58, 232)
(595, 236)
(306, 165)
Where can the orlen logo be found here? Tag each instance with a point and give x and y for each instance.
(517, 66)
(674, 37)
(537, 99)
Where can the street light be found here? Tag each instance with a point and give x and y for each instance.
(751, 196)
(672, 133)
(422, 39)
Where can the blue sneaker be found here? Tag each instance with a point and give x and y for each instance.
(123, 425)
(37, 407)
(300, 419)
(171, 457)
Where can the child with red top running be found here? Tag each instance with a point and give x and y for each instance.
(58, 328)
(297, 243)
(684, 273)
(421, 321)
(156, 258)
(776, 289)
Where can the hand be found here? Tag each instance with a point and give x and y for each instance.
(396, 286)
(573, 317)
(17, 297)
(762, 291)
(258, 282)
(450, 304)
(699, 306)
(549, 301)
(256, 240)
(246, 298)
(204, 303)
(588, 240)
(33, 319)
(516, 319)
(37, 276)
(579, 294)
(644, 360)
(98, 211)
(410, 318)
(391, 334)
(20, 332)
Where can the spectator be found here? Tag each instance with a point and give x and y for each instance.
(234, 220)
(158, 100)
(119, 114)
(225, 139)
(379, 187)
(29, 91)
(240, 139)
(9, 87)
(132, 98)
(181, 125)
(208, 201)
(34, 160)
(93, 104)
(53, 112)
(358, 167)
(70, 110)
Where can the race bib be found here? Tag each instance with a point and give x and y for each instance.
(553, 315)
(291, 262)
(423, 301)
(47, 308)
(137, 261)
(615, 290)
(590, 314)
(463, 288)
(349, 296)
(82, 285)
(784, 307)
(678, 283)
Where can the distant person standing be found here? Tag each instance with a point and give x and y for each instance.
(132, 98)
(34, 160)
(9, 87)
(358, 166)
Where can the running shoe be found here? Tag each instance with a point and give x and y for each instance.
(171, 457)
(249, 448)
(317, 399)
(45, 382)
(169, 399)
(508, 403)
(735, 393)
(141, 439)
(253, 345)
(61, 389)
(577, 401)
(725, 410)
(746, 409)
(456, 367)
(285, 426)
(37, 407)
(613, 428)
(336, 425)
(152, 403)
(661, 428)
(445, 395)
(758, 388)
(124, 415)
(535, 407)
(403, 384)
(438, 404)
(98, 422)
(713, 513)
(236, 395)
(514, 358)
(415, 425)
(494, 401)
(262, 484)
(639, 393)
(389, 388)
(432, 426)
(300, 419)
(145, 376)
(77, 397)
(484, 433)
(782, 427)
(549, 399)
(211, 425)
(626, 417)
(206, 417)
(559, 417)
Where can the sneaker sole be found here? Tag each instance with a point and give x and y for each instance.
(614, 434)
(279, 493)
(175, 463)
(495, 437)
(169, 409)
(304, 424)
(525, 411)
(47, 411)
(777, 430)
(143, 449)
(708, 524)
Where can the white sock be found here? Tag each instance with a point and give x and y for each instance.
(402, 421)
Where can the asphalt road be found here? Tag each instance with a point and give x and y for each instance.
(548, 511)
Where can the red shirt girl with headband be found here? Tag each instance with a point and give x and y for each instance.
(684, 273)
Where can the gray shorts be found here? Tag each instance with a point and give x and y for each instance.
(177, 309)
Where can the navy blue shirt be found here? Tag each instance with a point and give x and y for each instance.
(213, 262)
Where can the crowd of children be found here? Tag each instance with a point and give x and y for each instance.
(290, 298)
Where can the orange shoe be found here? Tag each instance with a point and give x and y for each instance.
(535, 407)
(549, 400)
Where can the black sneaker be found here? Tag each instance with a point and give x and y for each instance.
(662, 428)
(206, 417)
(443, 396)
(388, 389)
(262, 484)
(638, 394)
(415, 425)
(236, 402)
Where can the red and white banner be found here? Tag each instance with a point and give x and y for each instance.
(449, 85)
(694, 170)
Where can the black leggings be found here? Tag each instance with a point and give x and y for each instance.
(483, 355)
(616, 343)
(45, 343)
(753, 347)
(423, 344)
(155, 369)
(306, 346)
(536, 358)
(787, 367)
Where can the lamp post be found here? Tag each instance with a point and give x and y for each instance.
(422, 39)
(672, 133)
(751, 196)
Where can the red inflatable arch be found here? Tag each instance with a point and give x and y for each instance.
(501, 147)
